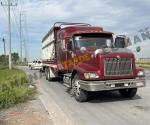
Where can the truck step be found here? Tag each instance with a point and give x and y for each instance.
(68, 74)
(67, 79)
(67, 85)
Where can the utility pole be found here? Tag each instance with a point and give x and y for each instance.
(20, 37)
(26, 52)
(3, 40)
(9, 4)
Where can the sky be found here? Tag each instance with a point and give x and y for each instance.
(38, 16)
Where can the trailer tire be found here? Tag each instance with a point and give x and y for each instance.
(80, 94)
(46, 73)
(49, 75)
(128, 93)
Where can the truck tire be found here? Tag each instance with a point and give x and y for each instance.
(80, 94)
(49, 76)
(128, 93)
(46, 73)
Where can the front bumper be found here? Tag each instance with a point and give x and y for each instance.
(111, 84)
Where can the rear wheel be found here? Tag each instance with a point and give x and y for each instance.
(80, 94)
(128, 93)
(48, 75)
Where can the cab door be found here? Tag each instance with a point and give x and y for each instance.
(64, 53)
(69, 52)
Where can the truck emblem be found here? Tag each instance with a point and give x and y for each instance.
(118, 58)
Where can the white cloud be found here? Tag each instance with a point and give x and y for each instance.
(118, 16)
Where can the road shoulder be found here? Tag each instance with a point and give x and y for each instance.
(55, 112)
(29, 113)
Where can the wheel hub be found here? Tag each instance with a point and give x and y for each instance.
(77, 88)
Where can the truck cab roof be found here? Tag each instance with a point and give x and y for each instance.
(72, 30)
(69, 29)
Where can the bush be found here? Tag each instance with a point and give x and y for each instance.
(13, 87)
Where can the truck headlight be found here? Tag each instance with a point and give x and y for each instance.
(141, 74)
(91, 75)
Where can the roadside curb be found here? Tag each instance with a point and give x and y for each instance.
(55, 112)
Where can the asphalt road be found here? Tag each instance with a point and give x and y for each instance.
(103, 108)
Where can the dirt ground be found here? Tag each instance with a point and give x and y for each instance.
(28, 113)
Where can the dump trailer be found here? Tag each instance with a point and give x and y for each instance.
(86, 58)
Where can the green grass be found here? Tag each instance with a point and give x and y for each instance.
(7, 76)
(13, 87)
(2, 67)
(21, 64)
(144, 64)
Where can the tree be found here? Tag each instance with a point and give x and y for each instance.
(15, 57)
(3, 59)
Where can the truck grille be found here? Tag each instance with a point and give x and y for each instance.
(118, 66)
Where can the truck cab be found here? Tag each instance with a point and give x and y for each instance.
(89, 59)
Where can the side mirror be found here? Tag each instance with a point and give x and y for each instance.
(119, 42)
(138, 49)
(82, 49)
(122, 41)
(128, 41)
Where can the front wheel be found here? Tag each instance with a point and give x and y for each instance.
(80, 94)
(128, 93)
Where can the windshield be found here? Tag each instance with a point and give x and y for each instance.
(93, 41)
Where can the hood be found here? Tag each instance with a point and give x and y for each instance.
(96, 63)
(108, 50)
(112, 50)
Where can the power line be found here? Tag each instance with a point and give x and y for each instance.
(5, 11)
(15, 17)
(9, 4)
(25, 42)
(15, 20)
(24, 36)
(21, 36)
(21, 27)
(21, 30)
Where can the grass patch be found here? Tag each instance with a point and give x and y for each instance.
(21, 64)
(144, 64)
(13, 87)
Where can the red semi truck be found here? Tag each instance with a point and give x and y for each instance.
(89, 59)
